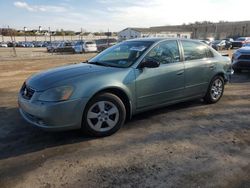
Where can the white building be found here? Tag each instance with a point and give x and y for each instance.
(165, 31)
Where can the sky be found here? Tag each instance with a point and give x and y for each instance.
(115, 15)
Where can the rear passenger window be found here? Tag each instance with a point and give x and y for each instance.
(195, 50)
(165, 52)
(209, 53)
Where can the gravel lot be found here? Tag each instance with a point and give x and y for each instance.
(184, 145)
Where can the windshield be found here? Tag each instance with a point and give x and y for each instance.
(240, 39)
(90, 43)
(123, 54)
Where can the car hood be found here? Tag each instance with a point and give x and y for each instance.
(244, 50)
(47, 79)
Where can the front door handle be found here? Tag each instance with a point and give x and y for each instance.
(180, 73)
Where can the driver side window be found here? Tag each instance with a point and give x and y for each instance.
(165, 52)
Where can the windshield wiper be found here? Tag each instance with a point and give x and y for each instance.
(98, 63)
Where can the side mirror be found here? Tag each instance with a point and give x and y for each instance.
(149, 64)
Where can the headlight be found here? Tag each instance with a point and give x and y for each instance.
(236, 55)
(57, 94)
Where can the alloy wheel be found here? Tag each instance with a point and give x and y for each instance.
(216, 89)
(102, 116)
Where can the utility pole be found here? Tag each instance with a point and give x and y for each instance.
(1, 33)
(14, 44)
(216, 30)
(80, 35)
(49, 35)
(108, 36)
(25, 28)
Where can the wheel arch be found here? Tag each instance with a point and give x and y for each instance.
(222, 74)
(119, 93)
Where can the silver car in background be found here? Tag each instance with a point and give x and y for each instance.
(85, 46)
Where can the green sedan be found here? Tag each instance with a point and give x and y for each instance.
(126, 79)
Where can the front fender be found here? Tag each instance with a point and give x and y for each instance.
(122, 79)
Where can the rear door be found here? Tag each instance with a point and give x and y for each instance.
(199, 65)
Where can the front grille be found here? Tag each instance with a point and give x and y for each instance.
(243, 64)
(237, 44)
(27, 92)
(244, 57)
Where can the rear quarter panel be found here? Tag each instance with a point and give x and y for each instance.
(222, 66)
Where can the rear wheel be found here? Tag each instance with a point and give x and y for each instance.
(215, 90)
(104, 115)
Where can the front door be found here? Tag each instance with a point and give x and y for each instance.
(165, 83)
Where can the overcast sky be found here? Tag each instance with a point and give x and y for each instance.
(99, 15)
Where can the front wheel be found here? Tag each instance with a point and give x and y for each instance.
(215, 90)
(104, 115)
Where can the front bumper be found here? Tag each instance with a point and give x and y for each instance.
(54, 116)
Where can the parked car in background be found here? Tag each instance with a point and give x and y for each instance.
(103, 44)
(241, 58)
(20, 44)
(221, 45)
(218, 44)
(247, 43)
(29, 45)
(11, 44)
(101, 94)
(78, 47)
(65, 47)
(46, 43)
(239, 42)
(3, 44)
(52, 47)
(38, 44)
(25, 44)
(85, 46)
(229, 42)
(89, 46)
(205, 41)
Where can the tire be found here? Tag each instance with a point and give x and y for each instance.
(215, 90)
(104, 115)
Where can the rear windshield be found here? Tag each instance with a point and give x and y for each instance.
(90, 43)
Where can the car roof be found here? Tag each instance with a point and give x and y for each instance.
(157, 39)
(162, 39)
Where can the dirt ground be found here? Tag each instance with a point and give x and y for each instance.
(185, 145)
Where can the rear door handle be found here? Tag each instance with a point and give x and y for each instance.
(180, 72)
